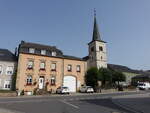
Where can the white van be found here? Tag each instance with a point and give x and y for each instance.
(143, 85)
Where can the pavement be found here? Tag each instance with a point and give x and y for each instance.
(78, 103)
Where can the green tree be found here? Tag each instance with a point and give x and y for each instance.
(105, 75)
(91, 77)
(118, 76)
(14, 76)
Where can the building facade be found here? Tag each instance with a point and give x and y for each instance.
(8, 63)
(45, 67)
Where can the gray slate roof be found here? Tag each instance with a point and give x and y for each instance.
(96, 34)
(24, 48)
(37, 46)
(72, 57)
(6, 55)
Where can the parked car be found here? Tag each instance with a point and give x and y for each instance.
(124, 84)
(86, 89)
(62, 90)
(143, 85)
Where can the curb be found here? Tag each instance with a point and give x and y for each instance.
(73, 94)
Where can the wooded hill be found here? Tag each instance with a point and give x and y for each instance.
(127, 69)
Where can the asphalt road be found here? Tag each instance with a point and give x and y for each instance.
(91, 103)
(136, 105)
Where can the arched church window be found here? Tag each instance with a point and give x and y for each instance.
(92, 48)
(101, 58)
(100, 48)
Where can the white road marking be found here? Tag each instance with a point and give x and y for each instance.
(70, 104)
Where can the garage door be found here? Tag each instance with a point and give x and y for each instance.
(70, 82)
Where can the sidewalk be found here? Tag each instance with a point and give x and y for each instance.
(74, 94)
(110, 91)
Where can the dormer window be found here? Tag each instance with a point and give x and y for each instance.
(31, 50)
(53, 53)
(43, 52)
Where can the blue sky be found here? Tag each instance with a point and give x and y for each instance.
(68, 24)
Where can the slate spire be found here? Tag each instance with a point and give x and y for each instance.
(96, 34)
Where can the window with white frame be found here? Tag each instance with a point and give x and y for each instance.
(1, 69)
(53, 53)
(30, 64)
(29, 80)
(31, 50)
(69, 68)
(53, 67)
(78, 68)
(9, 70)
(7, 84)
(43, 52)
(53, 80)
(42, 65)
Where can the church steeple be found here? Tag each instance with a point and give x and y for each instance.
(97, 49)
(96, 34)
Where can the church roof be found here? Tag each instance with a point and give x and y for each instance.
(96, 34)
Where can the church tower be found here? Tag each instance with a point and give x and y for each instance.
(97, 49)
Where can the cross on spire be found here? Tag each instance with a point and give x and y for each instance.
(94, 12)
(96, 34)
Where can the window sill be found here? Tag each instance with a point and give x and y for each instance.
(42, 70)
(29, 84)
(69, 70)
(29, 68)
(53, 70)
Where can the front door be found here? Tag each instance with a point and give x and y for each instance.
(41, 83)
